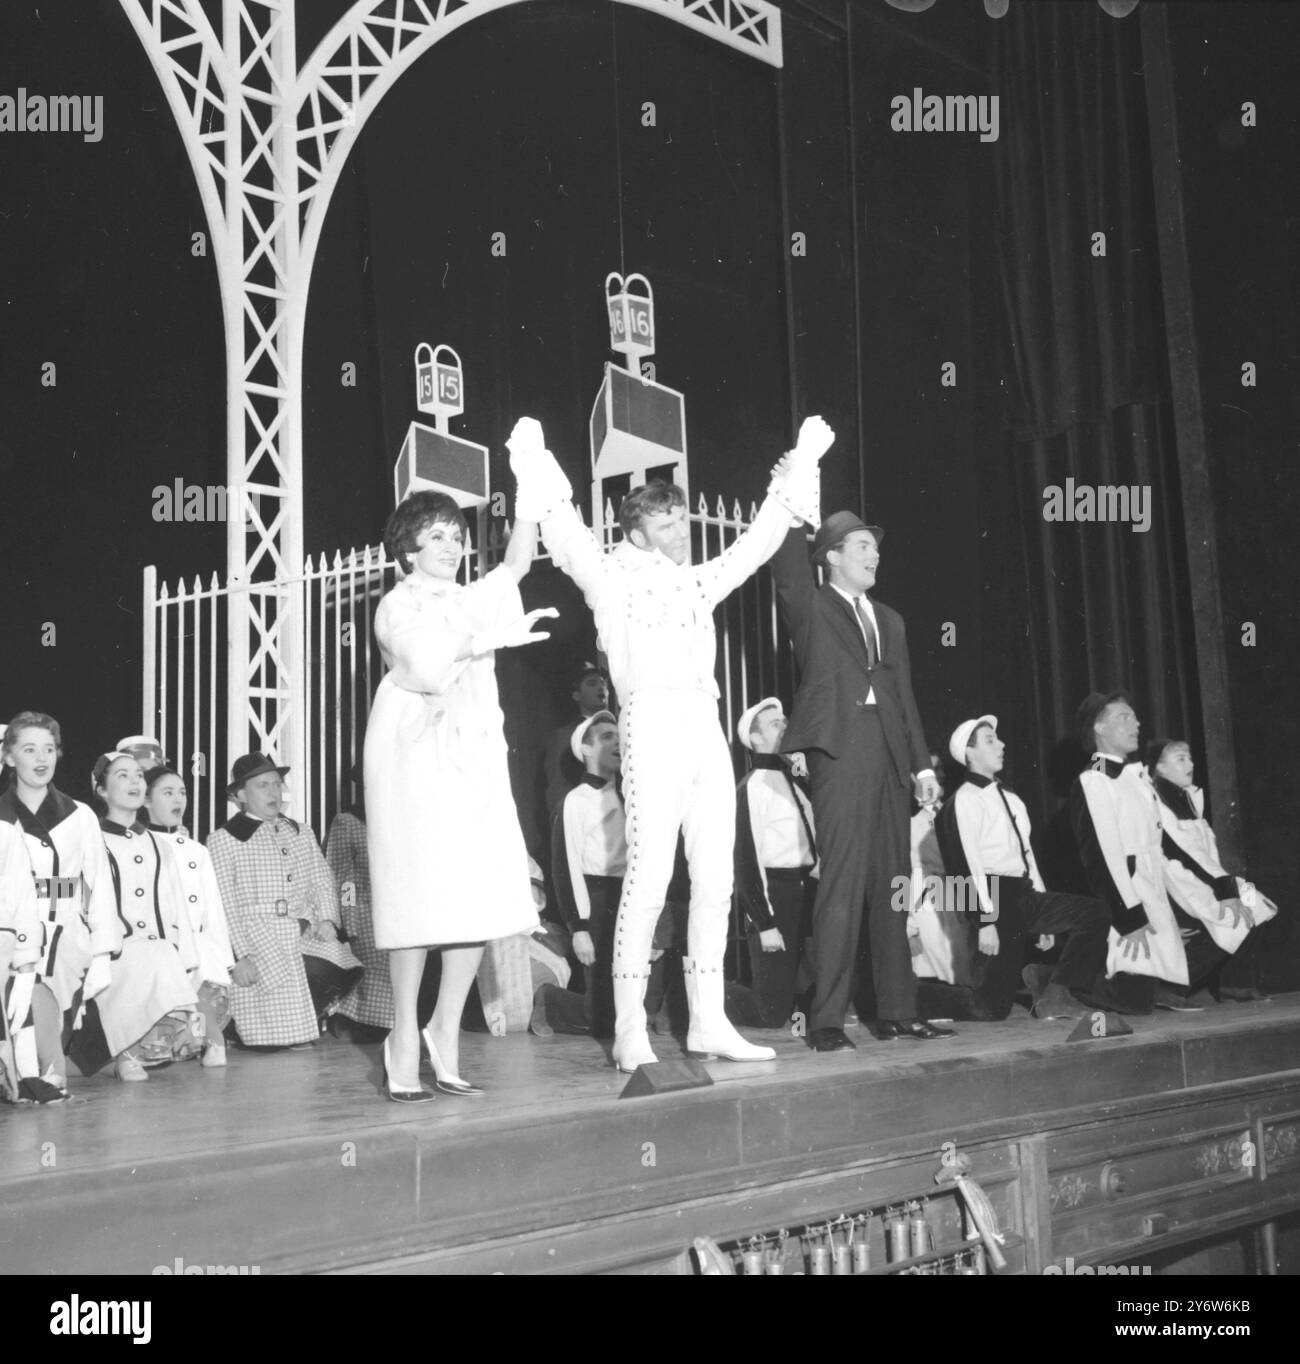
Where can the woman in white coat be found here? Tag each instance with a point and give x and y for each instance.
(447, 861)
(74, 892)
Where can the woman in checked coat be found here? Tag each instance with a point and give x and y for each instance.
(448, 866)
(279, 897)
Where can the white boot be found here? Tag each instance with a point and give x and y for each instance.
(710, 1034)
(631, 1041)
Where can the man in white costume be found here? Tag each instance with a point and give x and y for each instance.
(654, 615)
(1116, 819)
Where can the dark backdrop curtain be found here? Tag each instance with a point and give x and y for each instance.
(1086, 606)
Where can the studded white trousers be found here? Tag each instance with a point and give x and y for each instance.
(677, 776)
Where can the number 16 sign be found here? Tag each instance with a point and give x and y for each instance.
(631, 315)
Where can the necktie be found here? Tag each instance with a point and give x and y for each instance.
(868, 631)
(1006, 805)
(803, 814)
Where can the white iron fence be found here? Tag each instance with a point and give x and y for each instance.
(186, 644)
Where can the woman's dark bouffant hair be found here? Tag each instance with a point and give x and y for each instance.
(413, 514)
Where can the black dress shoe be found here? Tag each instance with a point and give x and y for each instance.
(830, 1039)
(888, 1029)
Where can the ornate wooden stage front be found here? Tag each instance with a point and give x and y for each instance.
(1098, 1151)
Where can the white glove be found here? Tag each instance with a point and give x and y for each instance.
(526, 444)
(815, 438)
(540, 483)
(796, 479)
(97, 978)
(516, 632)
(537, 498)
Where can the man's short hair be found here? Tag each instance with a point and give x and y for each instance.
(1091, 709)
(653, 499)
(587, 670)
(415, 512)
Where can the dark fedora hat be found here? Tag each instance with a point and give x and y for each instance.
(836, 528)
(249, 766)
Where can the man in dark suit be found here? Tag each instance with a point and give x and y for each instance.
(855, 717)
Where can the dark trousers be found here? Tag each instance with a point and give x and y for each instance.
(860, 812)
(1204, 955)
(774, 976)
(591, 1012)
(1134, 994)
(1024, 914)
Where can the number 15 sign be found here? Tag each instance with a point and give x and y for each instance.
(439, 381)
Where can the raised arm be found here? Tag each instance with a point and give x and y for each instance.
(521, 549)
(791, 500)
(796, 587)
(544, 495)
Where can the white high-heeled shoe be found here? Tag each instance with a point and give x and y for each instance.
(443, 1078)
(402, 1094)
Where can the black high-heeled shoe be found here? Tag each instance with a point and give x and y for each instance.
(400, 1094)
(443, 1078)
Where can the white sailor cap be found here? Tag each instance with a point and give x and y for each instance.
(746, 721)
(580, 733)
(138, 741)
(961, 736)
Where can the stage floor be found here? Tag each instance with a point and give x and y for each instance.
(339, 1172)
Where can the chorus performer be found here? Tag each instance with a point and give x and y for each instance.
(150, 977)
(74, 892)
(448, 866)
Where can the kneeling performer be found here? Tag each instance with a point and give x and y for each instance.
(984, 834)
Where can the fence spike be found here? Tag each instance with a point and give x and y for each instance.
(736, 514)
(163, 598)
(753, 511)
(609, 512)
(216, 581)
(198, 586)
(338, 561)
(721, 512)
(703, 508)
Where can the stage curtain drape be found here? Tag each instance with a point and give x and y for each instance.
(1083, 606)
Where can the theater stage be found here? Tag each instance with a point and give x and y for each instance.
(1098, 1150)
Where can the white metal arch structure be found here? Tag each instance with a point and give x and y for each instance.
(267, 143)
